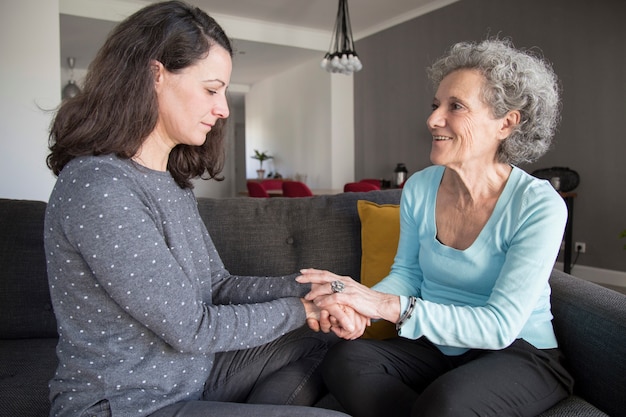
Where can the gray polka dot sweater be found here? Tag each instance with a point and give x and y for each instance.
(141, 296)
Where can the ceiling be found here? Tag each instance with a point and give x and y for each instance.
(82, 34)
(81, 37)
(314, 14)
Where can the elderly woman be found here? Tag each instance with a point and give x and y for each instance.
(468, 289)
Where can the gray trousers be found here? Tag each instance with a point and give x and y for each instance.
(279, 379)
(401, 377)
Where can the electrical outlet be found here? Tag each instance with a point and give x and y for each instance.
(580, 247)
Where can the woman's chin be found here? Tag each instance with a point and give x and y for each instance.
(436, 158)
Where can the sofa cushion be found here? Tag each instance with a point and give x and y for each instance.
(590, 325)
(24, 295)
(380, 232)
(26, 367)
(283, 235)
(573, 406)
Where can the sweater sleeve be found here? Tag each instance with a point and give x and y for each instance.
(118, 233)
(406, 275)
(236, 289)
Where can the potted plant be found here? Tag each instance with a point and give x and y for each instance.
(261, 156)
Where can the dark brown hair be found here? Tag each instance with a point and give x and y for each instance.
(117, 107)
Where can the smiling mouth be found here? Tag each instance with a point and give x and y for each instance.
(441, 138)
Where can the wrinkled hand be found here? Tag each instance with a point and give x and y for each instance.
(363, 300)
(341, 320)
(358, 322)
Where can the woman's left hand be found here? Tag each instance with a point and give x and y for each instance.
(365, 301)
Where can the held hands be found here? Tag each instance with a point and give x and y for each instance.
(346, 306)
(341, 320)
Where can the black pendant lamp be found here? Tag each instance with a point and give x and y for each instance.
(342, 58)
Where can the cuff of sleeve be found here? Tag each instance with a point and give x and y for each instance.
(404, 304)
(407, 313)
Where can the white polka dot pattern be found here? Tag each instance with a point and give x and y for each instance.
(141, 296)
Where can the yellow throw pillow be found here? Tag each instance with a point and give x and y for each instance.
(380, 232)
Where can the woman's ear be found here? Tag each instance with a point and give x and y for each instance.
(509, 121)
(157, 69)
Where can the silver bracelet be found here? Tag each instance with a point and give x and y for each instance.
(407, 314)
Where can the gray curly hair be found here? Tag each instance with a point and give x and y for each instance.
(515, 80)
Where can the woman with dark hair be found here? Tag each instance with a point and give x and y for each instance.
(468, 290)
(150, 322)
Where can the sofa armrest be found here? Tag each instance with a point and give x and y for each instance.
(590, 325)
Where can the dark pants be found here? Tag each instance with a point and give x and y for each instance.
(280, 378)
(403, 377)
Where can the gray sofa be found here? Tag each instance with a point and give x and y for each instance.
(276, 236)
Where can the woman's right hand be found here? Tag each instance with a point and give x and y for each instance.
(341, 320)
(365, 301)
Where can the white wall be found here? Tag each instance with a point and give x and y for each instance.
(303, 117)
(30, 85)
(31, 80)
(342, 127)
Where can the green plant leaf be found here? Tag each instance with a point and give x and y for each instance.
(261, 156)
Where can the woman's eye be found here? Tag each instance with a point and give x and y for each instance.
(456, 106)
(211, 92)
(434, 106)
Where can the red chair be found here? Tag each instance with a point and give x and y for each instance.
(255, 189)
(376, 182)
(296, 189)
(359, 187)
(272, 184)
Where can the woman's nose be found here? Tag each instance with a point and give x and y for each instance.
(221, 109)
(435, 119)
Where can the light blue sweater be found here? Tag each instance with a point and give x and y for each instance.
(495, 291)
